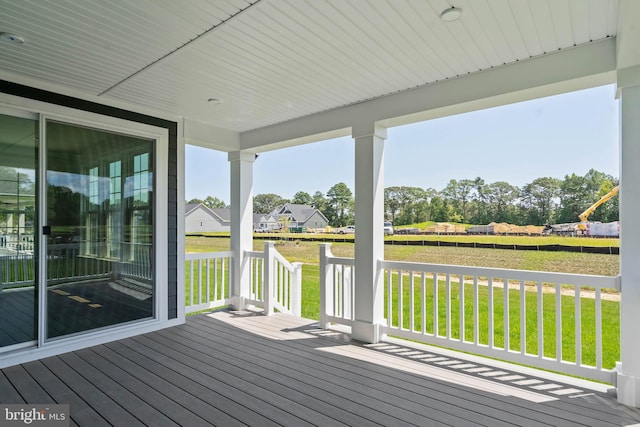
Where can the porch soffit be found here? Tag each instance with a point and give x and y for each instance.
(275, 61)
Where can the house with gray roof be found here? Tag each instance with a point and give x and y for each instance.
(298, 216)
(199, 218)
(265, 223)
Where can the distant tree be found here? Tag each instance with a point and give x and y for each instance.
(339, 199)
(480, 213)
(302, 198)
(214, 202)
(540, 199)
(266, 203)
(502, 196)
(465, 189)
(318, 201)
(195, 201)
(63, 205)
(440, 209)
(391, 204)
(452, 193)
(575, 197)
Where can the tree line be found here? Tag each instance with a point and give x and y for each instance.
(544, 200)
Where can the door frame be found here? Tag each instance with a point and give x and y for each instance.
(45, 111)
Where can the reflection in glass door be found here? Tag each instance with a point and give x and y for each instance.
(18, 249)
(100, 221)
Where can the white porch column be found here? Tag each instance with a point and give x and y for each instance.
(628, 376)
(369, 238)
(241, 223)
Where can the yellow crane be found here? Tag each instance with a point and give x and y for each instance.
(584, 215)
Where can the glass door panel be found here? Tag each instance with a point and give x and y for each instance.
(18, 248)
(100, 220)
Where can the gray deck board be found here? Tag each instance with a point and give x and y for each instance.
(81, 412)
(178, 405)
(435, 394)
(28, 386)
(211, 393)
(91, 393)
(232, 369)
(282, 400)
(344, 384)
(111, 385)
(395, 386)
(8, 391)
(564, 411)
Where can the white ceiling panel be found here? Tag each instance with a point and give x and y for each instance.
(271, 61)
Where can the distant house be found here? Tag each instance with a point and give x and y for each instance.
(264, 223)
(298, 216)
(199, 218)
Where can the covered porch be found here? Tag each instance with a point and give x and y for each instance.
(243, 368)
(281, 75)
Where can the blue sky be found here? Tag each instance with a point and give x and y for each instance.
(517, 143)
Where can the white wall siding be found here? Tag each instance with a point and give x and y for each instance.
(199, 220)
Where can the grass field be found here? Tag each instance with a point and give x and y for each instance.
(565, 262)
(506, 240)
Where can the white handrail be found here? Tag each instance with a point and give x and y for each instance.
(275, 283)
(601, 282)
(469, 308)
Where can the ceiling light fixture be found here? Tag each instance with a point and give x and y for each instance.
(214, 101)
(11, 38)
(451, 14)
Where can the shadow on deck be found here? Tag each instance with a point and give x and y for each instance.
(240, 368)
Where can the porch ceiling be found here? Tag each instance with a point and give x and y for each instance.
(271, 61)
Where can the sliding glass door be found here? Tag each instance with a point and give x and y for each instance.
(99, 229)
(76, 227)
(18, 222)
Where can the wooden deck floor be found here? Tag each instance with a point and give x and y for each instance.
(233, 369)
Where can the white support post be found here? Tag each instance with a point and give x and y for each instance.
(369, 238)
(326, 284)
(241, 224)
(296, 290)
(628, 369)
(268, 285)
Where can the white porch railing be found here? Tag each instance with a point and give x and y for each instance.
(276, 284)
(336, 288)
(208, 280)
(470, 308)
(64, 262)
(16, 270)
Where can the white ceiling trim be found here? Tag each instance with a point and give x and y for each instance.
(576, 68)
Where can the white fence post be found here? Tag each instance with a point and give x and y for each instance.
(326, 284)
(268, 282)
(296, 289)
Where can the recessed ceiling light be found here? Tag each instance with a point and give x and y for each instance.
(214, 101)
(12, 38)
(451, 14)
